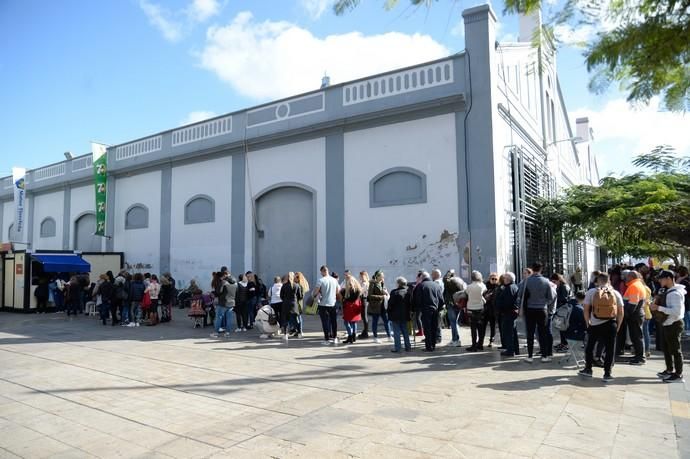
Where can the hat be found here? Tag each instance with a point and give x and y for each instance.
(666, 274)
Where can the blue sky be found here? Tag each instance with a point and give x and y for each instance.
(113, 70)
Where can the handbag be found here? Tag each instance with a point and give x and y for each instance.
(312, 306)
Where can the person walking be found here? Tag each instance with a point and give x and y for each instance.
(377, 296)
(506, 304)
(136, 295)
(634, 299)
(603, 312)
(563, 295)
(290, 294)
(428, 297)
(537, 295)
(223, 293)
(671, 303)
(296, 324)
(452, 286)
(242, 303)
(475, 308)
(400, 313)
(364, 283)
(326, 291)
(352, 307)
(490, 307)
(153, 289)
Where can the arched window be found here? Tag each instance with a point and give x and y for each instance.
(396, 187)
(48, 227)
(200, 209)
(137, 217)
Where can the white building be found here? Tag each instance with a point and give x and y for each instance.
(414, 168)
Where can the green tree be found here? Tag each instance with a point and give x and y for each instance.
(641, 214)
(643, 45)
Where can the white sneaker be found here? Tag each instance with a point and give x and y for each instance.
(137, 324)
(285, 337)
(264, 336)
(299, 335)
(237, 330)
(244, 329)
(326, 343)
(377, 341)
(336, 341)
(527, 360)
(453, 344)
(221, 330)
(545, 359)
(213, 335)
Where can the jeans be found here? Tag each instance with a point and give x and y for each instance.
(104, 310)
(240, 315)
(672, 349)
(375, 323)
(536, 319)
(124, 311)
(418, 321)
(365, 319)
(605, 333)
(490, 320)
(429, 322)
(59, 299)
(453, 315)
(296, 322)
(136, 310)
(398, 329)
(477, 328)
(645, 335)
(632, 322)
(351, 328)
(510, 336)
(250, 311)
(686, 320)
(548, 339)
(223, 313)
(329, 322)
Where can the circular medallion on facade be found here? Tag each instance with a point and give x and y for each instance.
(282, 111)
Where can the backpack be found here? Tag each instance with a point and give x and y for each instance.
(561, 320)
(604, 305)
(220, 291)
(121, 293)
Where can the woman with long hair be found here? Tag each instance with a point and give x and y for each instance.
(352, 307)
(297, 319)
(377, 295)
(290, 294)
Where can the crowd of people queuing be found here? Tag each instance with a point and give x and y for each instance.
(124, 299)
(615, 311)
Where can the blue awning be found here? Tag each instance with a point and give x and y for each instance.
(62, 263)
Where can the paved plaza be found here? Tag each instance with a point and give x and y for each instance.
(79, 389)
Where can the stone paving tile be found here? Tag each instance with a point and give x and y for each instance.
(82, 390)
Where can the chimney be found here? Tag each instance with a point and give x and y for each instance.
(582, 129)
(529, 25)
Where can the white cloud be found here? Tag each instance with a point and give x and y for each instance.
(574, 36)
(274, 59)
(194, 117)
(315, 8)
(202, 10)
(162, 19)
(175, 24)
(621, 132)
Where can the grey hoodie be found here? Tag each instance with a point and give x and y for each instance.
(675, 304)
(537, 292)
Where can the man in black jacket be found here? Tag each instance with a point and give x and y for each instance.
(428, 298)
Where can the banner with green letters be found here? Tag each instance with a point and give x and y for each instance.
(100, 179)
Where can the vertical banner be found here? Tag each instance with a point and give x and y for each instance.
(100, 179)
(18, 179)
